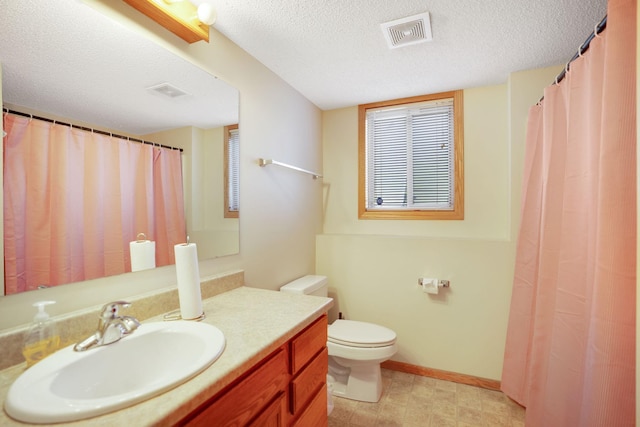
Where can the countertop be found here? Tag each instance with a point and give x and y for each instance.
(254, 321)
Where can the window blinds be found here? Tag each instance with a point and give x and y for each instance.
(409, 151)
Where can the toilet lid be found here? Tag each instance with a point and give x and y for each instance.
(360, 334)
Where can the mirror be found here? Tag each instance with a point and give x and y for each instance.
(66, 61)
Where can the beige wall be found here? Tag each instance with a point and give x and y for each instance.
(373, 266)
(281, 210)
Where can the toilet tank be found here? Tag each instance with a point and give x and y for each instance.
(308, 285)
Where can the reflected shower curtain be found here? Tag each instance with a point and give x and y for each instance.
(169, 204)
(74, 199)
(570, 351)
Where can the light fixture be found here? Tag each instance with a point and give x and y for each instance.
(181, 17)
(207, 14)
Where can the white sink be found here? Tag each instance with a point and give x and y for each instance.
(70, 385)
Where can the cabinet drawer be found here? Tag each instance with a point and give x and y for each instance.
(316, 413)
(308, 343)
(307, 383)
(248, 398)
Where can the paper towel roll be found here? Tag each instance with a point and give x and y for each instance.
(143, 254)
(188, 280)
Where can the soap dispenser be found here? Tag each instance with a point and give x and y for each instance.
(42, 338)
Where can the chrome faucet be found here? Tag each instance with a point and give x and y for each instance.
(111, 327)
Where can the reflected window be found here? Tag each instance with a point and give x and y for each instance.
(231, 171)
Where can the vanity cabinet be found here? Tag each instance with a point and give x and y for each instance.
(286, 388)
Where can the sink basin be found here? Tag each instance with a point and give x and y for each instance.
(69, 385)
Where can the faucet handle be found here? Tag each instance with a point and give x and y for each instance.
(110, 310)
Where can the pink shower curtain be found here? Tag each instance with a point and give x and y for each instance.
(570, 351)
(74, 199)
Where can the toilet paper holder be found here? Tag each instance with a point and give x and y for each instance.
(442, 283)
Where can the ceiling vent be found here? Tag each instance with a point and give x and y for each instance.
(167, 89)
(407, 31)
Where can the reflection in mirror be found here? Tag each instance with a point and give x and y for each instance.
(74, 200)
(231, 171)
(88, 70)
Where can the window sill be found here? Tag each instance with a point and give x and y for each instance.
(413, 214)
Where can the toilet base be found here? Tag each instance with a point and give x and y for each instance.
(362, 383)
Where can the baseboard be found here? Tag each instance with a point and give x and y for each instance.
(441, 375)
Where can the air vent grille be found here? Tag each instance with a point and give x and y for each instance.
(167, 89)
(407, 31)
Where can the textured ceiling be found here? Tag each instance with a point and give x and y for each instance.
(335, 54)
(63, 57)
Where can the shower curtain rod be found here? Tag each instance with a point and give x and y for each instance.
(31, 116)
(582, 49)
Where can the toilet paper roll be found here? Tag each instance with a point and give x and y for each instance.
(143, 254)
(430, 286)
(188, 275)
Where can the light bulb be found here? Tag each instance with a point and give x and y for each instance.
(206, 14)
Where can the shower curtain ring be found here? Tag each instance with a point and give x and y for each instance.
(595, 31)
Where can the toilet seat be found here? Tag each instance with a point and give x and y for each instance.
(353, 333)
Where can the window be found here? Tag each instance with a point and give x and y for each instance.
(411, 158)
(231, 172)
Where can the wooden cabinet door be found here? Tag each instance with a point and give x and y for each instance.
(286, 388)
(247, 399)
(315, 415)
(273, 415)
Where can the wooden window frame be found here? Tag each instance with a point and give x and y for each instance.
(458, 116)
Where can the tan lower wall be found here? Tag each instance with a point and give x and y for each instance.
(462, 329)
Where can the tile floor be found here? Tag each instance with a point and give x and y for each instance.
(415, 401)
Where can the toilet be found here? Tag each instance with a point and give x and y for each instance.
(355, 348)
